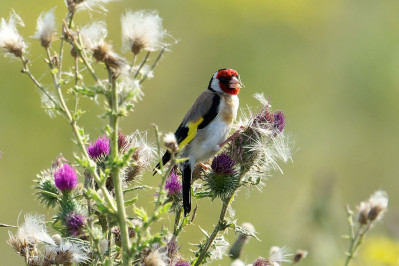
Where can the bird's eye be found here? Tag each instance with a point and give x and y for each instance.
(224, 80)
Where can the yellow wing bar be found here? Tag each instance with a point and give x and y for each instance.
(192, 132)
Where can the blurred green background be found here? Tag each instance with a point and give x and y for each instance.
(331, 65)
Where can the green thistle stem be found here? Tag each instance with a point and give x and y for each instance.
(176, 227)
(75, 129)
(221, 226)
(26, 71)
(114, 123)
(356, 238)
(69, 17)
(142, 64)
(153, 65)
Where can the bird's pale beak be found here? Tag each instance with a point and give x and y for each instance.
(235, 83)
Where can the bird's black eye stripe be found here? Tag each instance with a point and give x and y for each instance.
(224, 80)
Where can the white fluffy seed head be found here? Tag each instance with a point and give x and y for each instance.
(378, 205)
(142, 30)
(93, 34)
(170, 142)
(90, 5)
(34, 229)
(158, 257)
(10, 39)
(45, 28)
(103, 246)
(279, 255)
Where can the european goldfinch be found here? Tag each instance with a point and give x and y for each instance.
(206, 125)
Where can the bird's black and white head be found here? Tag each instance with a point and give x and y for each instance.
(227, 81)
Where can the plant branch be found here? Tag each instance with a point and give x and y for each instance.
(69, 17)
(115, 172)
(142, 64)
(219, 227)
(26, 71)
(153, 65)
(75, 129)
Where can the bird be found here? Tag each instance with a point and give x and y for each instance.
(206, 125)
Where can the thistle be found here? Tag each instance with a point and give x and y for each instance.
(45, 28)
(65, 178)
(172, 185)
(142, 30)
(10, 39)
(224, 180)
(100, 149)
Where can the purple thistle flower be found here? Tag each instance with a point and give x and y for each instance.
(223, 164)
(264, 116)
(262, 262)
(99, 149)
(75, 223)
(172, 184)
(279, 121)
(65, 178)
(182, 263)
(123, 142)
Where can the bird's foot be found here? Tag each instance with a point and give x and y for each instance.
(204, 166)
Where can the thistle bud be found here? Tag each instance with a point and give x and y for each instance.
(65, 178)
(10, 39)
(45, 28)
(100, 149)
(142, 30)
(75, 224)
(103, 246)
(236, 248)
(171, 142)
(224, 180)
(299, 255)
(378, 205)
(364, 209)
(172, 184)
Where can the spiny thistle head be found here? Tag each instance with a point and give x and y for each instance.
(142, 158)
(172, 184)
(29, 235)
(100, 149)
(222, 185)
(75, 224)
(279, 121)
(45, 28)
(236, 248)
(142, 30)
(299, 255)
(93, 38)
(171, 142)
(182, 262)
(65, 178)
(260, 143)
(223, 164)
(158, 257)
(123, 143)
(262, 262)
(10, 39)
(374, 208)
(66, 253)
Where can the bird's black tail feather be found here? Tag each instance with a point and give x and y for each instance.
(165, 160)
(186, 187)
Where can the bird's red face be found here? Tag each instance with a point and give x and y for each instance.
(229, 81)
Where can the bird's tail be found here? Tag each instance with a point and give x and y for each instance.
(165, 160)
(187, 187)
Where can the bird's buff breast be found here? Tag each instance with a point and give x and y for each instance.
(206, 143)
